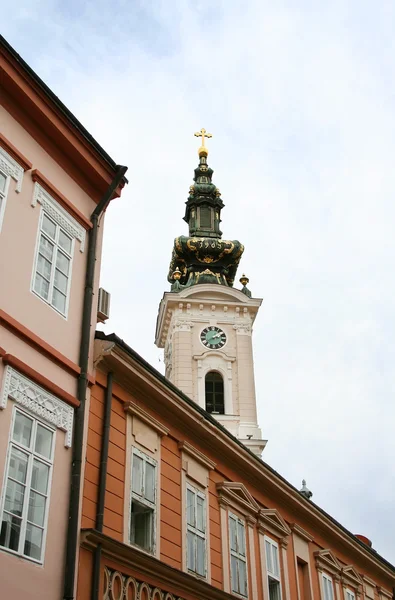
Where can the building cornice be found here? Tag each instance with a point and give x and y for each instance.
(149, 568)
(231, 450)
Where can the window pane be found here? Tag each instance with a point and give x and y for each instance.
(274, 589)
(36, 510)
(18, 465)
(232, 528)
(3, 180)
(65, 241)
(269, 561)
(190, 507)
(60, 281)
(43, 441)
(59, 301)
(44, 267)
(63, 263)
(46, 248)
(33, 541)
(242, 578)
(14, 497)
(142, 525)
(149, 491)
(137, 475)
(40, 475)
(41, 286)
(49, 226)
(191, 551)
(233, 572)
(241, 538)
(276, 569)
(22, 429)
(200, 556)
(10, 532)
(200, 514)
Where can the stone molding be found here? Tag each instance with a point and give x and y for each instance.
(59, 214)
(187, 448)
(298, 530)
(133, 409)
(10, 166)
(38, 401)
(326, 561)
(270, 521)
(118, 586)
(238, 497)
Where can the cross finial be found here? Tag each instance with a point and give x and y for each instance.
(203, 134)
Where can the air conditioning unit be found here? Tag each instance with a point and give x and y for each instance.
(103, 306)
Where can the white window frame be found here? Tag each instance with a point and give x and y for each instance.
(236, 554)
(32, 455)
(4, 195)
(141, 500)
(273, 570)
(349, 594)
(57, 249)
(194, 530)
(330, 581)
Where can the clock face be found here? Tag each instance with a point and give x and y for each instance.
(213, 337)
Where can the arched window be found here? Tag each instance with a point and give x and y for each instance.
(215, 393)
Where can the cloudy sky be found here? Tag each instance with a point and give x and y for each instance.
(299, 97)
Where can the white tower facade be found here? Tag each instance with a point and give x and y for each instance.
(183, 319)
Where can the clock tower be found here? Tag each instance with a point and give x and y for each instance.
(205, 324)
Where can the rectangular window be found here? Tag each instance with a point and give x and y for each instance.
(196, 531)
(238, 557)
(52, 271)
(4, 183)
(327, 586)
(27, 485)
(350, 595)
(143, 503)
(273, 569)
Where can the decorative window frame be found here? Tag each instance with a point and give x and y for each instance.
(324, 576)
(48, 461)
(273, 543)
(327, 564)
(350, 578)
(349, 594)
(143, 433)
(212, 360)
(12, 168)
(271, 523)
(195, 471)
(234, 498)
(192, 529)
(38, 401)
(58, 214)
(236, 554)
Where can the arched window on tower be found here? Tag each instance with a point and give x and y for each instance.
(215, 393)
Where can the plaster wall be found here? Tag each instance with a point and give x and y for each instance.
(18, 238)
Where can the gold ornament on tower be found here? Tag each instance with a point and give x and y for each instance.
(203, 151)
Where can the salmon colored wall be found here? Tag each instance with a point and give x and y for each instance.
(170, 527)
(18, 239)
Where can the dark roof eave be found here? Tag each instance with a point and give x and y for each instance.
(112, 337)
(60, 106)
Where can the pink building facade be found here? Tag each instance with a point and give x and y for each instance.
(53, 175)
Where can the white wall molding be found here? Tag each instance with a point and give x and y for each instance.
(40, 402)
(58, 214)
(12, 168)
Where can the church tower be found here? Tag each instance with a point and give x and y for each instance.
(205, 324)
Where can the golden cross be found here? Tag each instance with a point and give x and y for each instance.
(203, 133)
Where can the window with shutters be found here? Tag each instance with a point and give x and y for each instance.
(327, 587)
(53, 261)
(196, 531)
(143, 501)
(238, 557)
(349, 595)
(25, 500)
(273, 569)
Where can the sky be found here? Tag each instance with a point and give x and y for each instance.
(299, 97)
